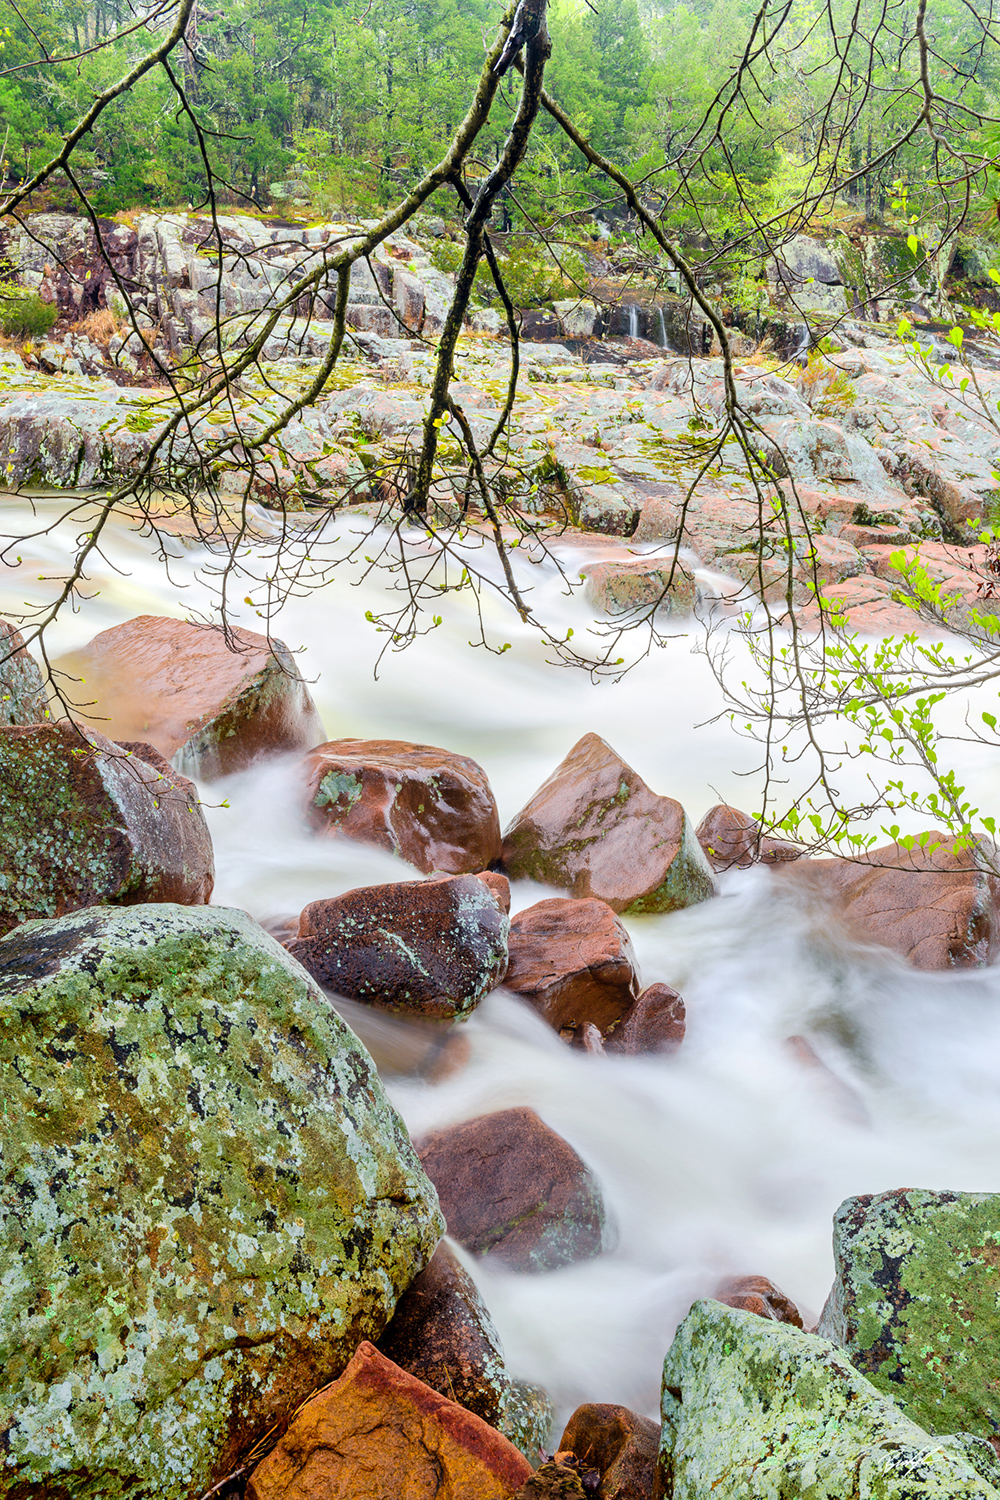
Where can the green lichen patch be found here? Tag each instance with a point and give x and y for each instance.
(206, 1200)
(916, 1302)
(759, 1410)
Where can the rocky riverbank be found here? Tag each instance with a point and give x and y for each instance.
(223, 1252)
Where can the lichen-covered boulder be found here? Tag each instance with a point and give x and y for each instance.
(916, 1302)
(206, 1200)
(209, 704)
(22, 691)
(85, 821)
(511, 1187)
(378, 1433)
(431, 948)
(760, 1410)
(636, 584)
(433, 808)
(594, 828)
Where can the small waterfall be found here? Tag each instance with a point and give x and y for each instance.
(633, 321)
(661, 328)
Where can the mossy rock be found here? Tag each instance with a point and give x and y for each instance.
(206, 1200)
(760, 1410)
(916, 1302)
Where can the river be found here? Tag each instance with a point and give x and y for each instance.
(729, 1157)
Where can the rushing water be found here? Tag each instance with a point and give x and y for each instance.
(730, 1156)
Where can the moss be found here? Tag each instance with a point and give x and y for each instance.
(207, 1199)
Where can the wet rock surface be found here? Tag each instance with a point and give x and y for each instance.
(212, 709)
(442, 1333)
(381, 1433)
(619, 1444)
(756, 1294)
(204, 1187)
(639, 584)
(85, 822)
(433, 808)
(594, 828)
(655, 1022)
(23, 699)
(510, 1187)
(573, 962)
(936, 908)
(430, 948)
(914, 1303)
(732, 840)
(756, 1407)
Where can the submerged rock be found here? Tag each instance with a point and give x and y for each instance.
(573, 962)
(380, 1433)
(595, 828)
(431, 948)
(22, 692)
(434, 809)
(84, 822)
(442, 1333)
(937, 909)
(207, 1199)
(655, 1022)
(762, 1410)
(914, 1302)
(619, 1444)
(511, 1187)
(210, 706)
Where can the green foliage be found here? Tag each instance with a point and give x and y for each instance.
(23, 314)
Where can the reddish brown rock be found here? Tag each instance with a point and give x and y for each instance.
(216, 708)
(595, 829)
(499, 885)
(442, 1334)
(22, 691)
(938, 910)
(434, 809)
(758, 1295)
(731, 840)
(573, 962)
(511, 1187)
(378, 1433)
(637, 584)
(427, 947)
(655, 1023)
(619, 1444)
(87, 822)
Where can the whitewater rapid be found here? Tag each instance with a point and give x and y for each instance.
(729, 1157)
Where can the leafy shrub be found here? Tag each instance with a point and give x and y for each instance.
(530, 275)
(23, 314)
(827, 390)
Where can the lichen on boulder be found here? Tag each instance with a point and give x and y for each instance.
(916, 1300)
(760, 1410)
(22, 691)
(206, 1200)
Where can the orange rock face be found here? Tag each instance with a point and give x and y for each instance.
(183, 689)
(594, 828)
(430, 807)
(937, 910)
(758, 1295)
(378, 1433)
(573, 962)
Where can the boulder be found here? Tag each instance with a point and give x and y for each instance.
(207, 1199)
(656, 1022)
(22, 692)
(511, 1187)
(914, 1303)
(595, 828)
(756, 1294)
(732, 839)
(434, 809)
(442, 1333)
(381, 1434)
(573, 962)
(430, 948)
(756, 1408)
(557, 1478)
(619, 1444)
(937, 909)
(86, 822)
(211, 707)
(638, 584)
